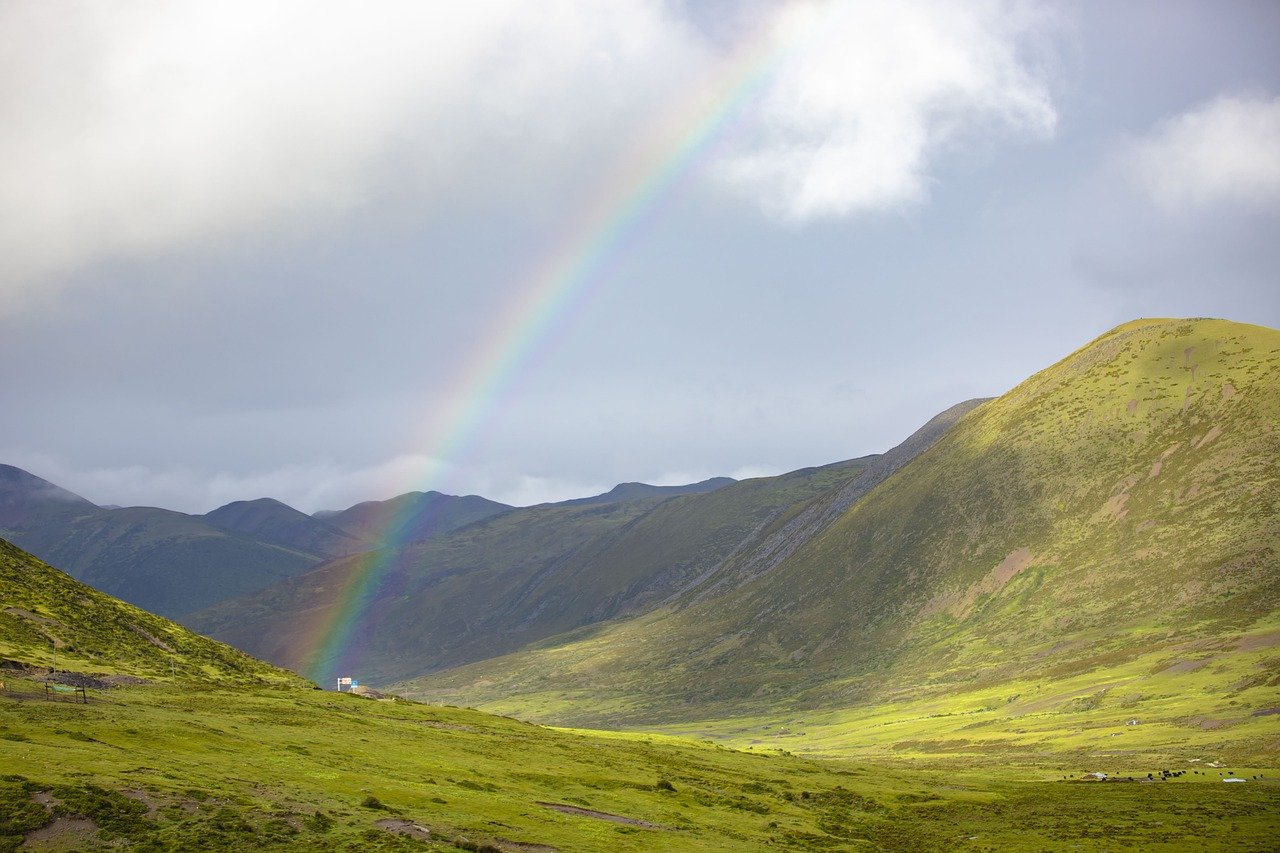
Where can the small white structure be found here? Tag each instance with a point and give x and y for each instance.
(346, 683)
(1232, 779)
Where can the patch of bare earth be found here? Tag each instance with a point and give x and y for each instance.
(1253, 642)
(960, 603)
(151, 638)
(1207, 437)
(451, 727)
(398, 826)
(27, 614)
(592, 813)
(144, 798)
(1184, 666)
(46, 799)
(64, 833)
(1208, 723)
(525, 846)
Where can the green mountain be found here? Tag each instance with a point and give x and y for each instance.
(1098, 544)
(50, 620)
(234, 755)
(492, 586)
(269, 520)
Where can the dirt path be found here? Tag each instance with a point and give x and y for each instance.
(404, 827)
(613, 818)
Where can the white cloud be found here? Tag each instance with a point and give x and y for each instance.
(868, 93)
(1225, 151)
(136, 129)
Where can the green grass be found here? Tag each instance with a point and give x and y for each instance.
(48, 619)
(221, 768)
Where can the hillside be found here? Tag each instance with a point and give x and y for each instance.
(515, 578)
(49, 618)
(1099, 543)
(194, 767)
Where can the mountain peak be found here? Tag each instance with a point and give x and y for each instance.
(26, 499)
(640, 491)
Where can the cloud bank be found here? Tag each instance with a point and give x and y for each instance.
(142, 128)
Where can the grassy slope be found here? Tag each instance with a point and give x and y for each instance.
(237, 755)
(248, 768)
(42, 608)
(518, 577)
(1063, 556)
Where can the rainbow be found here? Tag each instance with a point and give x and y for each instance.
(615, 220)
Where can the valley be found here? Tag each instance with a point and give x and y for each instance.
(1047, 620)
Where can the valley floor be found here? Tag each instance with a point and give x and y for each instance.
(162, 767)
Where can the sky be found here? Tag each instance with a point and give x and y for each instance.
(330, 252)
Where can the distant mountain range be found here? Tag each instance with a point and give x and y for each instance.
(174, 563)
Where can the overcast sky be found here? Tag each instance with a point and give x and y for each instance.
(296, 248)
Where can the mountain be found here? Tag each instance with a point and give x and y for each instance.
(528, 574)
(27, 501)
(51, 619)
(1099, 543)
(164, 561)
(428, 597)
(639, 491)
(411, 517)
(269, 520)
